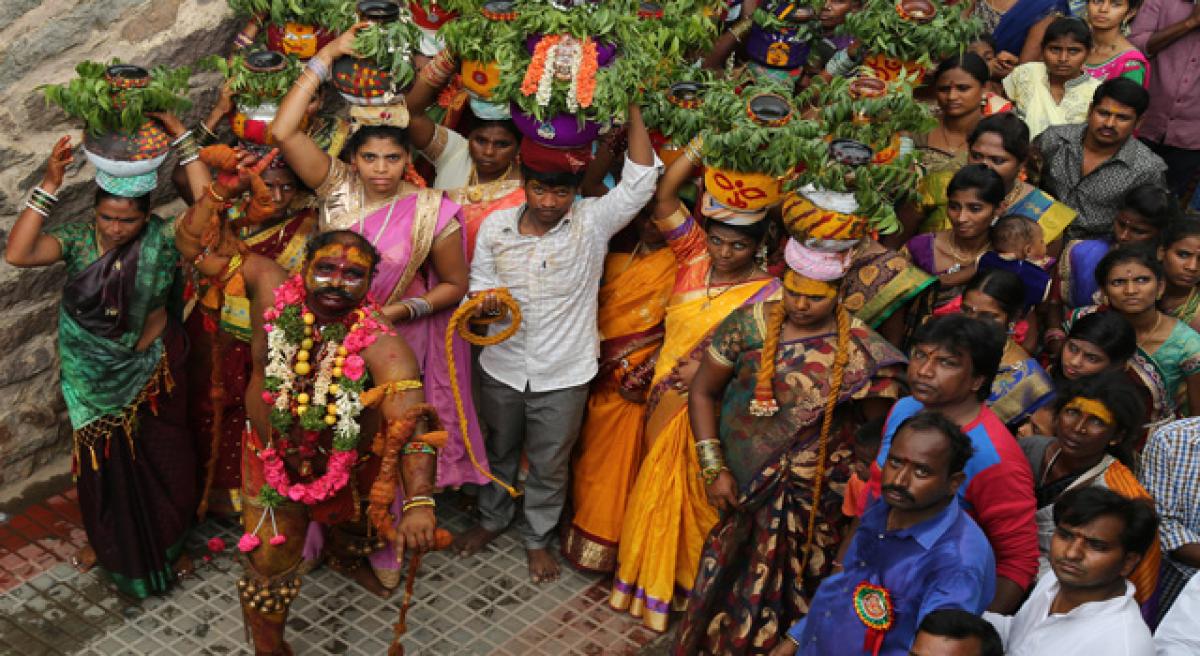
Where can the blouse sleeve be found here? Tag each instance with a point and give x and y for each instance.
(731, 337)
(71, 238)
(1135, 69)
(339, 173)
(685, 237)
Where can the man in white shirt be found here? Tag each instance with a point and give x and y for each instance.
(1087, 605)
(549, 253)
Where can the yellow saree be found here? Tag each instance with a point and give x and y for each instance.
(633, 301)
(668, 517)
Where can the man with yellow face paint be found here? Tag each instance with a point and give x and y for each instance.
(330, 377)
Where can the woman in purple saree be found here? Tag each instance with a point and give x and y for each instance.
(423, 273)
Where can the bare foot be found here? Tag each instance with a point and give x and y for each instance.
(473, 541)
(361, 574)
(543, 566)
(183, 566)
(84, 559)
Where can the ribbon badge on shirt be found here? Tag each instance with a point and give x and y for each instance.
(873, 605)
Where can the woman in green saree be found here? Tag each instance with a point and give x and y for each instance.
(122, 351)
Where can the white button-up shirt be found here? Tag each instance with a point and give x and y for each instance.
(1099, 628)
(554, 278)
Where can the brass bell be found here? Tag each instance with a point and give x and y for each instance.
(252, 604)
(296, 583)
(241, 584)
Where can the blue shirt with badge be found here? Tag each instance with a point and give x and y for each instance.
(943, 562)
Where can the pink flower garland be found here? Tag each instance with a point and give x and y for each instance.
(365, 331)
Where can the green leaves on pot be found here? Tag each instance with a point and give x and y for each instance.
(253, 88)
(390, 46)
(876, 122)
(476, 37)
(325, 13)
(734, 141)
(678, 124)
(105, 108)
(881, 29)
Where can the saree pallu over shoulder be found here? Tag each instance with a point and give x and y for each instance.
(632, 303)
(669, 516)
(103, 376)
(1052, 216)
(880, 283)
(802, 378)
(693, 315)
(1020, 388)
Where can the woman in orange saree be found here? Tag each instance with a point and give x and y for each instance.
(633, 303)
(668, 516)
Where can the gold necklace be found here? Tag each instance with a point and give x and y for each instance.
(728, 286)
(946, 138)
(476, 192)
(958, 255)
(1013, 195)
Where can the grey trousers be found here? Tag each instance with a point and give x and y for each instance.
(546, 424)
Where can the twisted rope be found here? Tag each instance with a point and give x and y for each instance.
(460, 324)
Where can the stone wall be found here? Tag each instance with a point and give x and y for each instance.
(40, 42)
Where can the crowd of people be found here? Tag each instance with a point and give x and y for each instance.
(971, 435)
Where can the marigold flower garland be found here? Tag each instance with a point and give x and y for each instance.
(539, 76)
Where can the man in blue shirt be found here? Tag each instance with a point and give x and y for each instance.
(913, 554)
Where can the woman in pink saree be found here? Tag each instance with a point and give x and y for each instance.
(423, 273)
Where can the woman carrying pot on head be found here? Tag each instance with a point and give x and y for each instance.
(1096, 421)
(778, 394)
(1021, 386)
(718, 270)
(1168, 350)
(422, 275)
(122, 351)
(481, 171)
(219, 328)
(1001, 143)
(1180, 255)
(959, 87)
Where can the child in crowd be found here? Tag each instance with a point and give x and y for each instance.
(1019, 247)
(998, 65)
(866, 448)
(1055, 91)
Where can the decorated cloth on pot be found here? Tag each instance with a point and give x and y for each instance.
(822, 265)
(134, 186)
(395, 116)
(544, 159)
(711, 209)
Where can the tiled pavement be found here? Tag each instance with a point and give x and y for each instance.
(480, 605)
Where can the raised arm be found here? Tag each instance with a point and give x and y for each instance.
(303, 155)
(27, 245)
(617, 208)
(666, 195)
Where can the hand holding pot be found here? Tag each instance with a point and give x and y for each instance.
(344, 44)
(61, 156)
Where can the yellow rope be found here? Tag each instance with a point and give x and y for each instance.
(461, 323)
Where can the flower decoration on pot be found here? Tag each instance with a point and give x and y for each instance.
(112, 101)
(576, 65)
(673, 111)
(902, 38)
(293, 28)
(861, 152)
(752, 149)
(781, 32)
(258, 80)
(383, 65)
